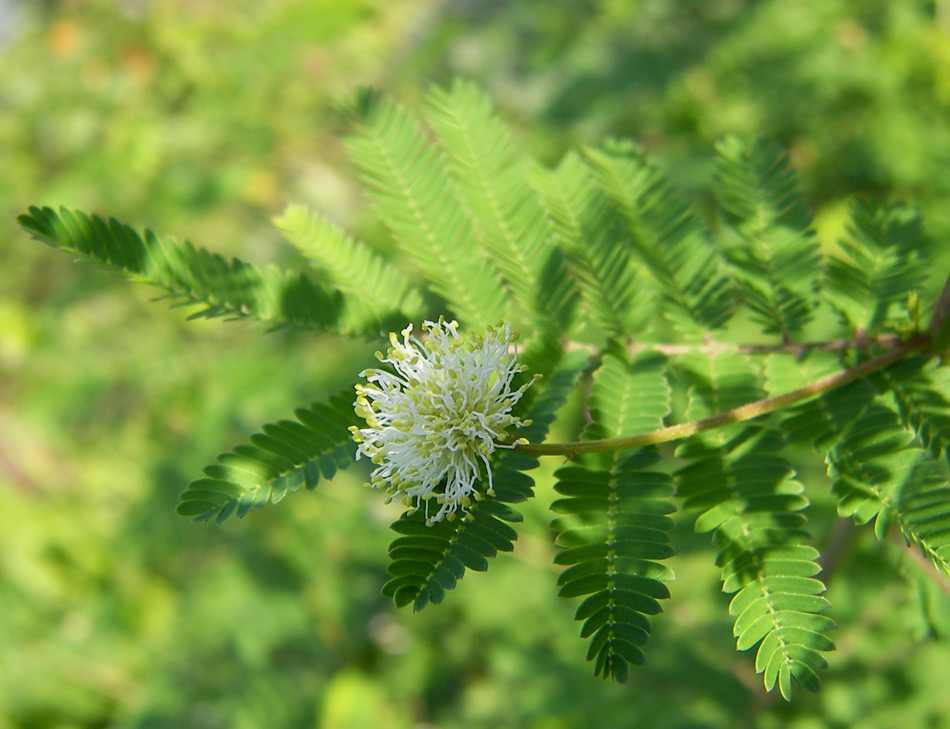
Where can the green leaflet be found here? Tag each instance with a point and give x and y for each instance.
(374, 293)
(592, 234)
(666, 238)
(881, 472)
(506, 213)
(749, 498)
(614, 522)
(748, 495)
(884, 441)
(919, 390)
(187, 274)
(279, 459)
(767, 239)
(418, 201)
(614, 528)
(884, 259)
(427, 561)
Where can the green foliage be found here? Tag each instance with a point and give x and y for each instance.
(881, 472)
(596, 260)
(589, 231)
(188, 275)
(751, 501)
(427, 561)
(885, 256)
(506, 213)
(918, 389)
(886, 453)
(280, 459)
(373, 292)
(768, 241)
(615, 520)
(666, 238)
(748, 495)
(416, 197)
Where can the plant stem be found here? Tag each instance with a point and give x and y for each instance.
(737, 415)
(712, 347)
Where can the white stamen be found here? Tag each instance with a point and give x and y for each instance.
(439, 416)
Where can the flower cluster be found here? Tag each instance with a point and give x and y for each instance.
(439, 416)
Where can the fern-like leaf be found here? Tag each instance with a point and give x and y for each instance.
(279, 459)
(375, 293)
(918, 388)
(416, 198)
(748, 496)
(614, 524)
(884, 260)
(489, 174)
(666, 237)
(774, 255)
(881, 473)
(885, 443)
(187, 274)
(428, 560)
(592, 235)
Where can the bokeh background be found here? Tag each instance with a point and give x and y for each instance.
(204, 118)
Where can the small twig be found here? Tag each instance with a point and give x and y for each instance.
(841, 539)
(708, 346)
(736, 415)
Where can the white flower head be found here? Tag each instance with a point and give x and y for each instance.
(439, 416)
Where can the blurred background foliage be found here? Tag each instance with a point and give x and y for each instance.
(203, 118)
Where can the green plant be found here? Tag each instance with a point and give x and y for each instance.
(623, 297)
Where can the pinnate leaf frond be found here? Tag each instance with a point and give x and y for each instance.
(614, 520)
(592, 234)
(279, 459)
(885, 445)
(426, 561)
(883, 260)
(748, 495)
(767, 239)
(506, 213)
(918, 389)
(374, 293)
(418, 201)
(188, 275)
(614, 528)
(666, 238)
(881, 473)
